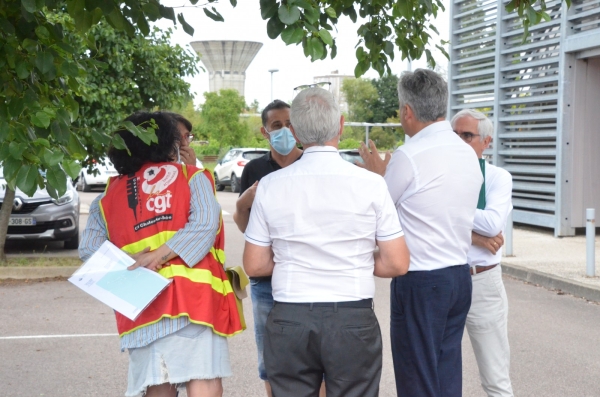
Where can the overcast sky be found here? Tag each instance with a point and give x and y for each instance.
(245, 23)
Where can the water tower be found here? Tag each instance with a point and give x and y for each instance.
(226, 62)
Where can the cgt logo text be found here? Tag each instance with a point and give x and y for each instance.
(159, 203)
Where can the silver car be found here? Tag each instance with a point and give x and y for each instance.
(43, 218)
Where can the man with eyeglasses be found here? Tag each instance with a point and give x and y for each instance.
(487, 318)
(434, 180)
(314, 226)
(275, 128)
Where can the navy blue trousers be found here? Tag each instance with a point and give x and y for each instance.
(428, 314)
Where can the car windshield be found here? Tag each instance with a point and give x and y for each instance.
(352, 157)
(253, 155)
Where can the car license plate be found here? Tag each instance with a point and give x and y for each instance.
(21, 221)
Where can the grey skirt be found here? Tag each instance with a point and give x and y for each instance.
(193, 352)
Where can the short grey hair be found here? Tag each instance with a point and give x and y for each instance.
(485, 127)
(315, 116)
(426, 92)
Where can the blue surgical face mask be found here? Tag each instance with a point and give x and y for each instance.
(282, 141)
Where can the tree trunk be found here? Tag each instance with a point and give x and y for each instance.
(9, 198)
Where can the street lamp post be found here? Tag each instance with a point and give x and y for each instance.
(272, 71)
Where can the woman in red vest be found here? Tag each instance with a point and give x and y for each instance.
(165, 215)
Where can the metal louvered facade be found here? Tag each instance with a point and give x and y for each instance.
(541, 95)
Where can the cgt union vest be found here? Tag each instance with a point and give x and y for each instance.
(146, 209)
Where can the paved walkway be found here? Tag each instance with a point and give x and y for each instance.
(558, 263)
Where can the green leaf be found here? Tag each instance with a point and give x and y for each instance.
(27, 179)
(405, 7)
(6, 26)
(331, 12)
(292, 35)
(44, 61)
(326, 37)
(29, 5)
(274, 27)
(186, 27)
(233, 3)
(288, 15)
(388, 48)
(119, 143)
(60, 131)
(52, 158)
(312, 15)
(42, 142)
(4, 132)
(72, 168)
(268, 8)
(16, 106)
(532, 15)
(30, 45)
(40, 119)
(69, 69)
(117, 21)
(142, 24)
(16, 150)
(510, 7)
(214, 15)
(42, 32)
(317, 48)
(57, 179)
(22, 71)
(11, 168)
(167, 12)
(100, 137)
(75, 148)
(72, 107)
(83, 22)
(546, 17)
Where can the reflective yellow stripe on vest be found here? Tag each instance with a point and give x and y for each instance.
(153, 242)
(203, 276)
(218, 254)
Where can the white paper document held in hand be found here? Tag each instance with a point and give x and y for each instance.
(105, 277)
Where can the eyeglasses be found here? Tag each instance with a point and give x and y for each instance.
(190, 137)
(326, 85)
(466, 136)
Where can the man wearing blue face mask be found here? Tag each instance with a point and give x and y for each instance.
(275, 128)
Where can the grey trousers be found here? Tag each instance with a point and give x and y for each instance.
(305, 344)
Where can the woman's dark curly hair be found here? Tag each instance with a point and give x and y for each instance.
(165, 150)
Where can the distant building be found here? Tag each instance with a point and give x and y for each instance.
(542, 94)
(226, 62)
(336, 87)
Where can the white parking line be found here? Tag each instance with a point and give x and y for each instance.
(54, 336)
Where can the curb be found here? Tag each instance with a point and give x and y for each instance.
(551, 281)
(23, 272)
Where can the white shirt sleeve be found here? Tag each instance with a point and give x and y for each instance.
(257, 231)
(388, 224)
(490, 221)
(399, 176)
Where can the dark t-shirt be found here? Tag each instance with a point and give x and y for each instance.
(254, 171)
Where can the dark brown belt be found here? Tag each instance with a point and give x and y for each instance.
(480, 269)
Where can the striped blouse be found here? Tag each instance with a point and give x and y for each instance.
(191, 243)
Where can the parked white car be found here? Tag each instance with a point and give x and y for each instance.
(229, 169)
(89, 179)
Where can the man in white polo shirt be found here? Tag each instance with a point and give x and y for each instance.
(487, 319)
(434, 180)
(314, 226)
